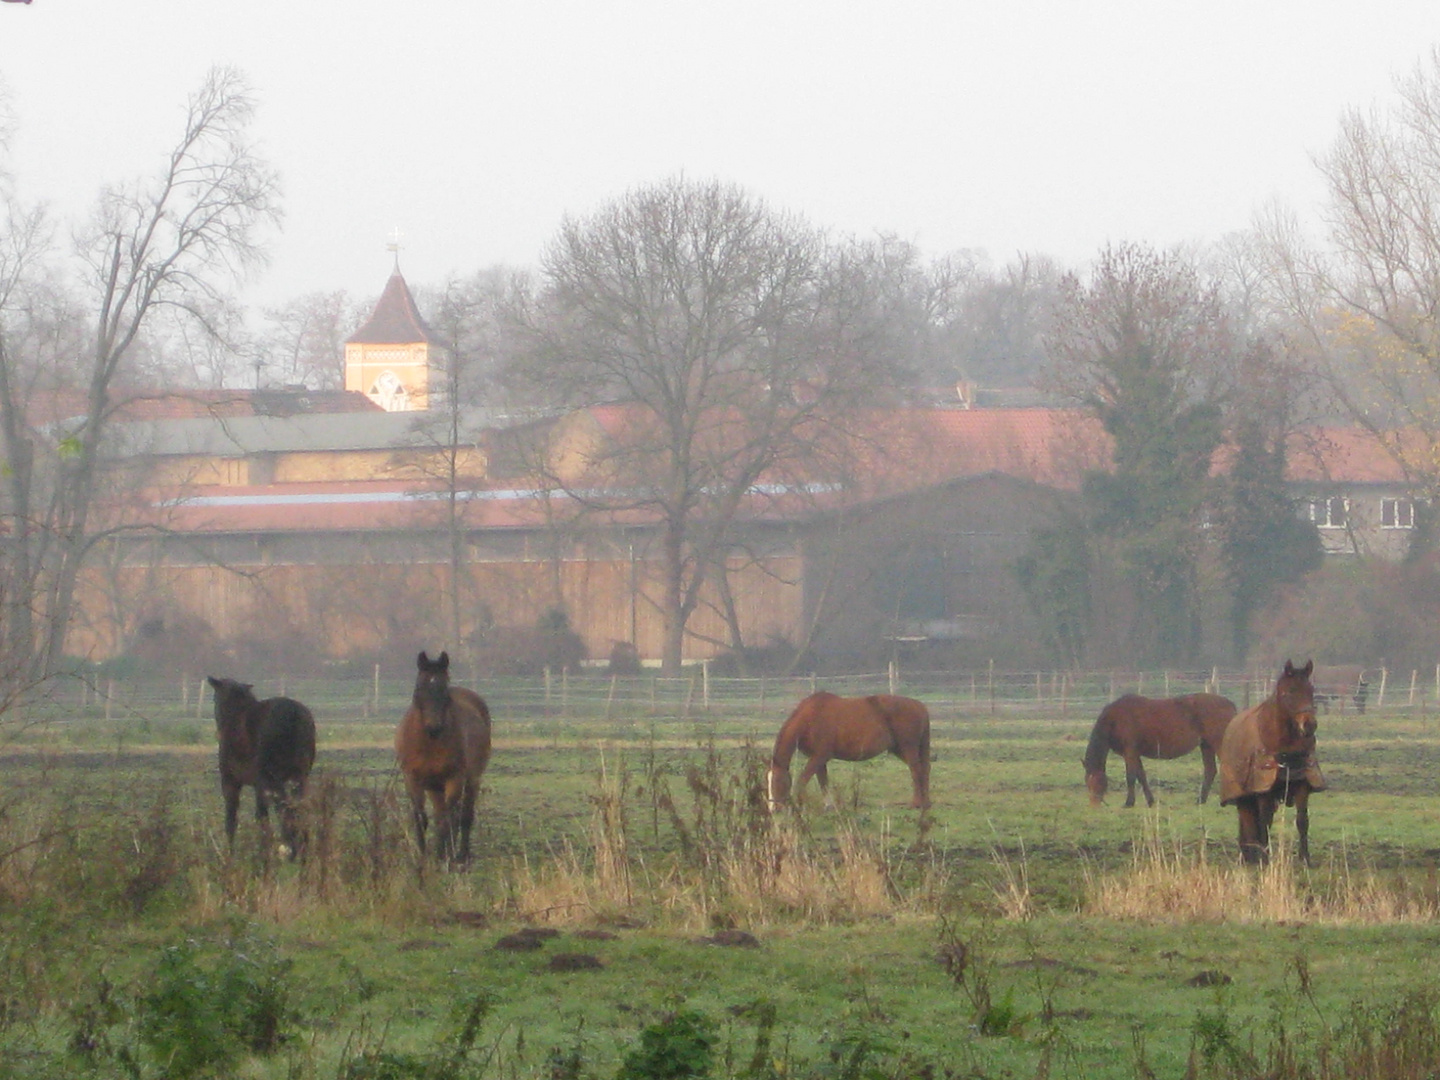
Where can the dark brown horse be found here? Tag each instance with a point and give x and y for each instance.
(1136, 727)
(443, 745)
(1268, 757)
(826, 727)
(269, 745)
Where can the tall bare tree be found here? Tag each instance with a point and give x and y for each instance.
(1367, 295)
(732, 336)
(169, 244)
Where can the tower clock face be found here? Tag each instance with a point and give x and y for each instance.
(389, 391)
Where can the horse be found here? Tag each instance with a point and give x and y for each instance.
(268, 744)
(443, 745)
(826, 727)
(1268, 757)
(1136, 727)
(1341, 683)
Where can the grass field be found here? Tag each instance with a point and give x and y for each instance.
(1012, 931)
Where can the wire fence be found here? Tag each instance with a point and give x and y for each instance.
(698, 694)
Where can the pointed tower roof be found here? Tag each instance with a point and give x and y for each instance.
(395, 320)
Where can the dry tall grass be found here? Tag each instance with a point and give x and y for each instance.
(1174, 881)
(733, 862)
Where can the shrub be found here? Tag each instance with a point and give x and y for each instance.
(680, 1045)
(208, 1007)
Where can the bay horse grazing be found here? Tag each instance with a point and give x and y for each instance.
(1136, 727)
(443, 745)
(826, 727)
(269, 745)
(1268, 757)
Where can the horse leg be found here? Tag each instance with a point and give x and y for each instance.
(417, 812)
(459, 810)
(822, 774)
(1134, 770)
(443, 808)
(1252, 844)
(919, 762)
(230, 790)
(1265, 814)
(287, 810)
(467, 816)
(1302, 820)
(816, 765)
(1207, 754)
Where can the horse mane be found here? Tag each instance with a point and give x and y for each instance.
(789, 736)
(1098, 747)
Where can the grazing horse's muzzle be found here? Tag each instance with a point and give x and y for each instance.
(777, 787)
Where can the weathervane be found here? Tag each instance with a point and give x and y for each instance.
(394, 245)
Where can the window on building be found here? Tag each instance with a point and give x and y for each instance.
(1330, 513)
(1397, 513)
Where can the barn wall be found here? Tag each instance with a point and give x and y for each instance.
(348, 602)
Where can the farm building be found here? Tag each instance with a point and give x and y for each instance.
(323, 525)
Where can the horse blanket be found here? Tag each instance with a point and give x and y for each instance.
(1248, 768)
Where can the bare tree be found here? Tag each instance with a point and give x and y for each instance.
(733, 338)
(1368, 299)
(304, 342)
(168, 245)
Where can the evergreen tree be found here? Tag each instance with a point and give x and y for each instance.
(1146, 347)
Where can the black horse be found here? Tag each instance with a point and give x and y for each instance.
(270, 745)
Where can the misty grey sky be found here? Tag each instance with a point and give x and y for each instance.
(1050, 126)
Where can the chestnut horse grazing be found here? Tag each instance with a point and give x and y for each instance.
(443, 745)
(1268, 757)
(268, 744)
(1136, 727)
(826, 726)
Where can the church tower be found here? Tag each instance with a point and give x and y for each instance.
(388, 359)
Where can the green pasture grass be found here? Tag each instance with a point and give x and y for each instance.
(1011, 813)
(1080, 990)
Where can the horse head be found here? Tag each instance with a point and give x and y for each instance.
(232, 699)
(432, 691)
(777, 786)
(1097, 782)
(1295, 697)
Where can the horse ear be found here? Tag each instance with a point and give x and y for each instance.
(1309, 667)
(422, 660)
(214, 682)
(444, 661)
(1289, 669)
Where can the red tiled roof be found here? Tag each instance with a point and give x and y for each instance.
(1351, 455)
(395, 321)
(913, 446)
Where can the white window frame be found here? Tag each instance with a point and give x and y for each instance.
(1397, 513)
(1322, 512)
